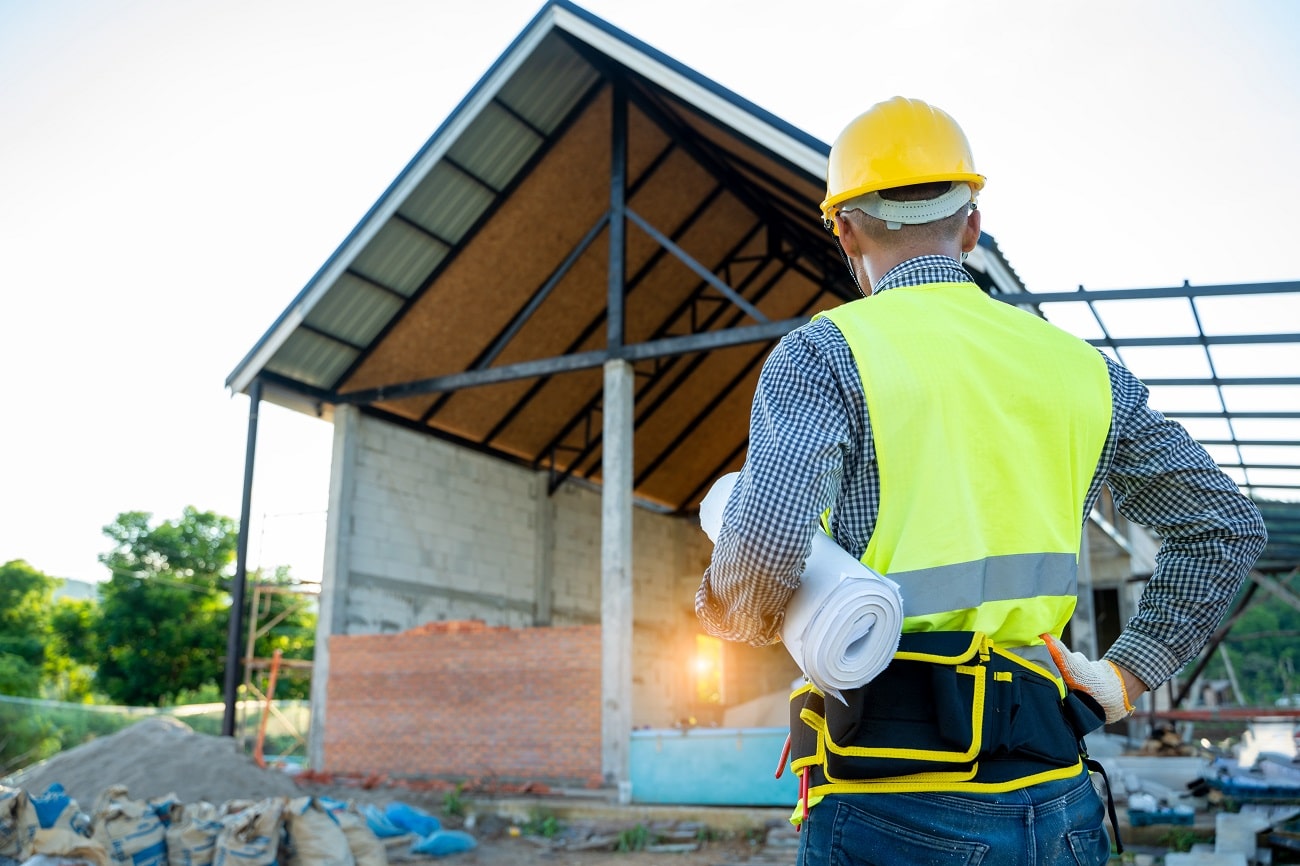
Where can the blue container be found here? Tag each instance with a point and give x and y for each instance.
(711, 767)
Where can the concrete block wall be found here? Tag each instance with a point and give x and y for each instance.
(466, 700)
(424, 531)
(436, 533)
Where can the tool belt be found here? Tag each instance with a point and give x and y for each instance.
(951, 712)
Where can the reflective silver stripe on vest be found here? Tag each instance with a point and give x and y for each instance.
(928, 591)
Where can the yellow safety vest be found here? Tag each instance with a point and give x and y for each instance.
(988, 424)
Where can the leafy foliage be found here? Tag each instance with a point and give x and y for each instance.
(162, 619)
(25, 595)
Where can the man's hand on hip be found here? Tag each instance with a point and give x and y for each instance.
(1102, 680)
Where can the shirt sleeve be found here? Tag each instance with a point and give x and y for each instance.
(1210, 534)
(799, 434)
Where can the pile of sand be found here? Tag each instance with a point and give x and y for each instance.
(153, 758)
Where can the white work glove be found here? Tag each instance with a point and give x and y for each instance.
(1099, 679)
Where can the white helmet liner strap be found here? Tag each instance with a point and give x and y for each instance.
(897, 213)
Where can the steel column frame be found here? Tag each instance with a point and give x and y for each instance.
(688, 302)
(236, 623)
(580, 361)
(1218, 392)
(721, 394)
(618, 212)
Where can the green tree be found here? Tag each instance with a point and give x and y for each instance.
(69, 673)
(163, 614)
(25, 595)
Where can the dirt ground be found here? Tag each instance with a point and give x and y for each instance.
(610, 837)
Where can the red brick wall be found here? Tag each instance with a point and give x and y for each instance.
(465, 700)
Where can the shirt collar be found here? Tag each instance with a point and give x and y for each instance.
(922, 270)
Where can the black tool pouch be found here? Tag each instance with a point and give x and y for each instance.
(950, 706)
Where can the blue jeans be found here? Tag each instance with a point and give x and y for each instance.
(1052, 824)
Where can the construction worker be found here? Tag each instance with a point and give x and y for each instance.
(957, 444)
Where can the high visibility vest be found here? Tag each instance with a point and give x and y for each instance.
(988, 424)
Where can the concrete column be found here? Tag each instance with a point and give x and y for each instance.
(616, 579)
(335, 570)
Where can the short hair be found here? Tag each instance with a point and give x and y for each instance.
(939, 231)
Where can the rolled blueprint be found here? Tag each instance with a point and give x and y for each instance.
(843, 623)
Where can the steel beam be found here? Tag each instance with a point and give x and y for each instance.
(236, 624)
(1184, 291)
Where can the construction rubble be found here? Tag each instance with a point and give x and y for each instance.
(186, 798)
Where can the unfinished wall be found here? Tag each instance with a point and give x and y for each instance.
(457, 701)
(423, 531)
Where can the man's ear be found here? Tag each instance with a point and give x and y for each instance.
(970, 234)
(848, 233)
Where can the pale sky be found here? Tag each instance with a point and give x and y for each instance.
(171, 175)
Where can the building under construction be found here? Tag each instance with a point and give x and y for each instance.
(538, 350)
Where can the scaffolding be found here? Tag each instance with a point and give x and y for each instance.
(261, 674)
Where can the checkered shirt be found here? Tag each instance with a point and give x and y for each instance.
(810, 449)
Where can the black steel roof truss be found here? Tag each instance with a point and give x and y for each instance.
(652, 105)
(374, 284)
(503, 338)
(647, 411)
(687, 304)
(531, 307)
(1186, 290)
(599, 319)
(774, 210)
(722, 393)
(1225, 414)
(698, 269)
(1228, 381)
(523, 121)
(333, 338)
(449, 160)
(729, 458)
(422, 229)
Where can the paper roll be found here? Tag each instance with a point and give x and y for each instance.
(843, 623)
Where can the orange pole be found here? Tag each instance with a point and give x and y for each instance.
(266, 710)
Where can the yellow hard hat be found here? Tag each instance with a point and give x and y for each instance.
(897, 143)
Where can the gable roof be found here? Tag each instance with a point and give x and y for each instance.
(472, 300)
